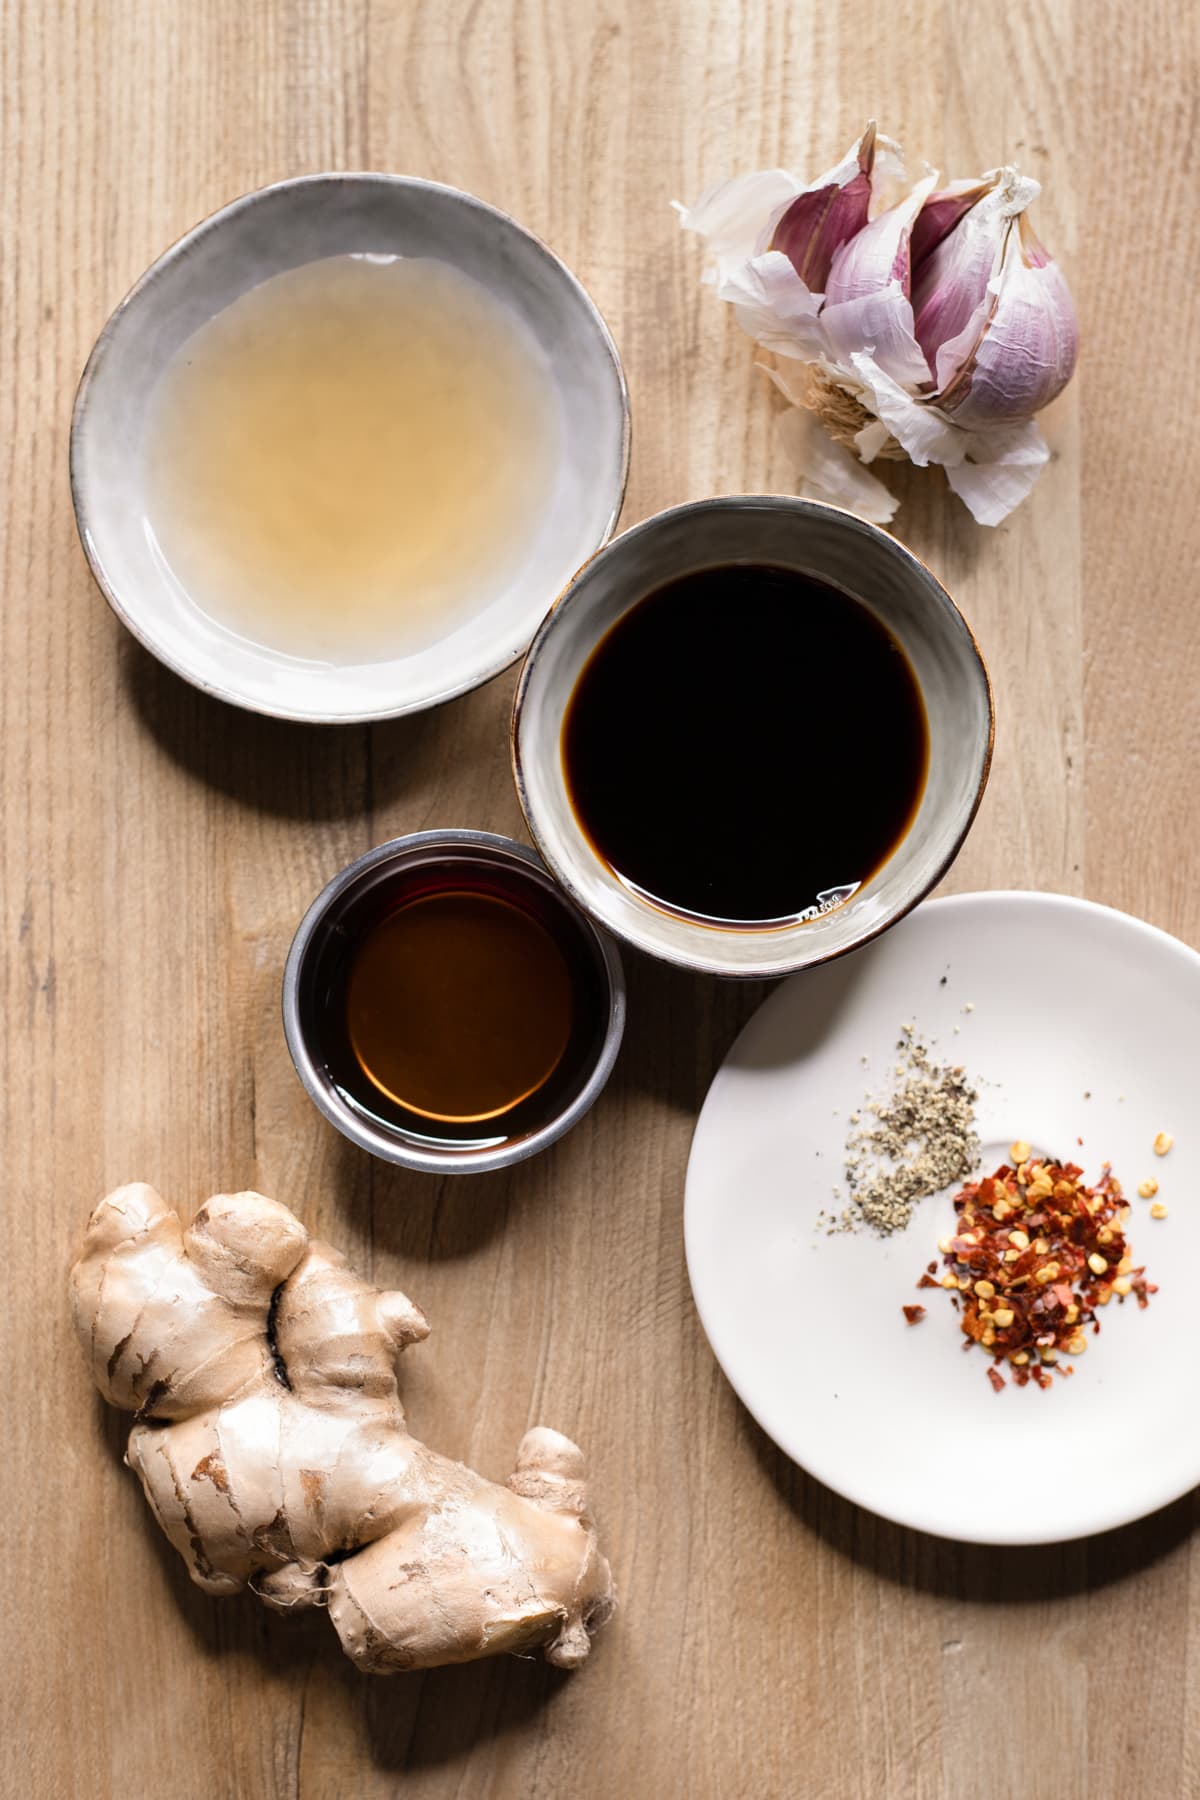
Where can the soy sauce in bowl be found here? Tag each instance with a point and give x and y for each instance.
(746, 746)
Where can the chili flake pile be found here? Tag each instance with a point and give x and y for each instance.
(1035, 1253)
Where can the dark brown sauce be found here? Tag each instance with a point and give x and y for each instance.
(460, 1007)
(746, 746)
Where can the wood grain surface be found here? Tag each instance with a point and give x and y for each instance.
(158, 850)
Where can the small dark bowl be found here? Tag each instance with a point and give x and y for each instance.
(322, 937)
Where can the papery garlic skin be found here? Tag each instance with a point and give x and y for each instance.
(828, 471)
(991, 471)
(733, 215)
(773, 306)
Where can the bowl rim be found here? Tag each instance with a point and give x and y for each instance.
(679, 957)
(377, 1143)
(180, 247)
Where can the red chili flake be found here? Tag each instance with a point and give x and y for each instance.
(1045, 1288)
(914, 1314)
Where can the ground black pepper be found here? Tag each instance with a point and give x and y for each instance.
(914, 1140)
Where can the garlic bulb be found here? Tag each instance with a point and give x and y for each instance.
(929, 323)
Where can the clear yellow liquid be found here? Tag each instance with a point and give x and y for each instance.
(353, 458)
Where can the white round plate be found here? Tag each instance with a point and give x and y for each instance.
(1075, 1022)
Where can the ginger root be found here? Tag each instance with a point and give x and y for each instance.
(271, 1443)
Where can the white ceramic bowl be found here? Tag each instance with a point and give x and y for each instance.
(836, 547)
(279, 228)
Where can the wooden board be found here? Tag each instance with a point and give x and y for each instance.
(158, 850)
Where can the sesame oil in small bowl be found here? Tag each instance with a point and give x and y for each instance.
(446, 1005)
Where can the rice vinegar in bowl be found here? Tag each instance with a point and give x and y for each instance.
(339, 464)
(338, 450)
